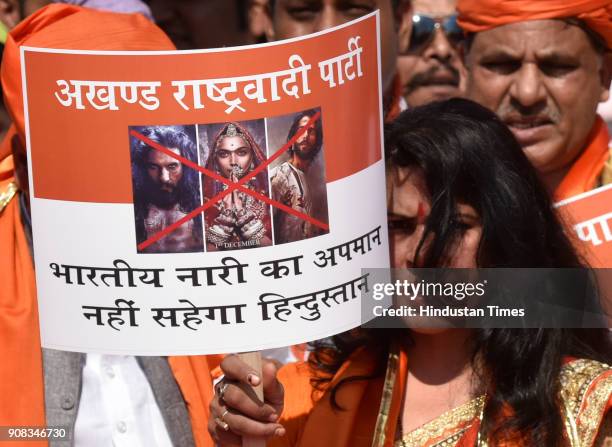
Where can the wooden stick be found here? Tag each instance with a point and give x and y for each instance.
(253, 359)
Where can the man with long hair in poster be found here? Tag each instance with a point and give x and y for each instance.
(296, 183)
(165, 191)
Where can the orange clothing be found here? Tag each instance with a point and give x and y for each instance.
(584, 174)
(309, 418)
(21, 382)
(481, 15)
(372, 407)
(393, 100)
(21, 376)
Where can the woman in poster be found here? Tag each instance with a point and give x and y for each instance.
(462, 194)
(239, 220)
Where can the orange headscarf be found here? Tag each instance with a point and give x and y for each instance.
(21, 377)
(482, 15)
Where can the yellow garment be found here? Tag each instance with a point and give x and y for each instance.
(371, 408)
(3, 33)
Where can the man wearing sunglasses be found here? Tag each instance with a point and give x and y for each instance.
(543, 66)
(431, 69)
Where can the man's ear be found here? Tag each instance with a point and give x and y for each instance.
(606, 76)
(260, 20)
(403, 17)
(10, 13)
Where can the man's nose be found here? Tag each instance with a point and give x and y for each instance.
(328, 18)
(439, 48)
(164, 175)
(527, 87)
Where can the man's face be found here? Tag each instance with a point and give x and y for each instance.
(234, 157)
(432, 71)
(292, 18)
(194, 24)
(544, 79)
(31, 6)
(164, 173)
(11, 10)
(305, 146)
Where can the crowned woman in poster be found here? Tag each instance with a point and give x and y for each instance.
(238, 220)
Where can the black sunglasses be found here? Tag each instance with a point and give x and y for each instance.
(424, 27)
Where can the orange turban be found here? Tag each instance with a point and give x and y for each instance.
(482, 15)
(21, 377)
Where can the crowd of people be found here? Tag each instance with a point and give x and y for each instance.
(471, 183)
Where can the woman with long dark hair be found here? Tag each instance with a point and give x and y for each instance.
(461, 194)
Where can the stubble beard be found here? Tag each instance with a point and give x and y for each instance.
(306, 155)
(160, 197)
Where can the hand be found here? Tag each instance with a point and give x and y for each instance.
(226, 219)
(242, 411)
(237, 200)
(227, 202)
(235, 196)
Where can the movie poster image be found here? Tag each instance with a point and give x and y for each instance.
(297, 178)
(165, 190)
(232, 151)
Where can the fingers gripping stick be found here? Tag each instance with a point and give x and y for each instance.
(253, 359)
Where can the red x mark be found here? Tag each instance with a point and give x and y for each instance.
(231, 185)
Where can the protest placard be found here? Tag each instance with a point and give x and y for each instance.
(589, 216)
(205, 201)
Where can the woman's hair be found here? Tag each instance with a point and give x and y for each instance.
(468, 155)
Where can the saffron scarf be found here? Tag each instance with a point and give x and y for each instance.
(21, 374)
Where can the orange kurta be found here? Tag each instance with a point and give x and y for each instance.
(372, 407)
(21, 376)
(586, 170)
(310, 419)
